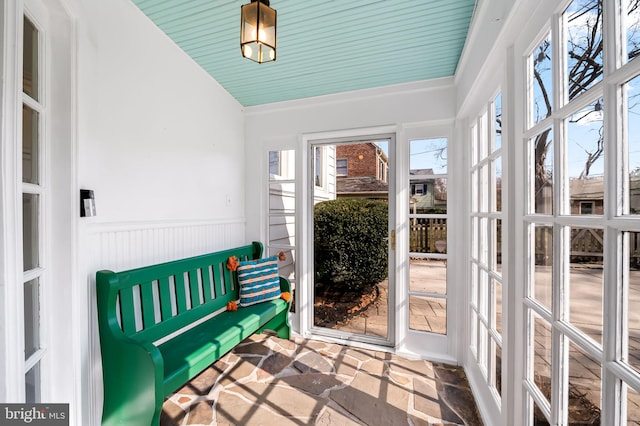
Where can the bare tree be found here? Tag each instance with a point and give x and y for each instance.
(584, 59)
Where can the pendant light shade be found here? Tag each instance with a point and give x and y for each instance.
(258, 31)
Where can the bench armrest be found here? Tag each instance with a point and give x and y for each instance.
(285, 285)
(132, 371)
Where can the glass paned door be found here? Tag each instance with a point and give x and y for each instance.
(281, 226)
(428, 235)
(32, 208)
(352, 237)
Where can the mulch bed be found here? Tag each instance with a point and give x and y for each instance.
(338, 307)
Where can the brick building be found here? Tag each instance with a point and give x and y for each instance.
(362, 171)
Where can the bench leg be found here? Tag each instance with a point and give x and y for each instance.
(279, 324)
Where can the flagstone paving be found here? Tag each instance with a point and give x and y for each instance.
(271, 381)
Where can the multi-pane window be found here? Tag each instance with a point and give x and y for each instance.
(32, 208)
(428, 235)
(342, 167)
(486, 243)
(580, 223)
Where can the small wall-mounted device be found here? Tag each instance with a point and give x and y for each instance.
(87, 203)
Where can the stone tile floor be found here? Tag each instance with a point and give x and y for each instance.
(270, 381)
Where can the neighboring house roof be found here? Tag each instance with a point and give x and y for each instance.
(361, 185)
(587, 188)
(420, 172)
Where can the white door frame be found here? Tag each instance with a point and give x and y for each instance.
(305, 208)
(65, 306)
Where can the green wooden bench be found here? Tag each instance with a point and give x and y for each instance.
(144, 315)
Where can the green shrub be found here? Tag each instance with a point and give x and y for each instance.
(350, 242)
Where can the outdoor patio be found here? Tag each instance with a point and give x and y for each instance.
(269, 381)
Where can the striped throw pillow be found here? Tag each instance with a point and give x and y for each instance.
(259, 280)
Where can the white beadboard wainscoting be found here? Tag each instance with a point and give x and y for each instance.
(122, 246)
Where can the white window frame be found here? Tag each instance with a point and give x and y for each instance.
(614, 372)
(41, 273)
(485, 333)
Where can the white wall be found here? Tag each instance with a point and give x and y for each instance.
(281, 125)
(158, 137)
(162, 145)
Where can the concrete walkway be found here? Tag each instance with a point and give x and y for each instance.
(270, 381)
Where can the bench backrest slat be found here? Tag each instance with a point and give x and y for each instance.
(165, 298)
(178, 279)
(127, 311)
(218, 276)
(194, 287)
(206, 284)
(155, 301)
(148, 308)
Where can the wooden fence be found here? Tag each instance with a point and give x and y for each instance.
(587, 246)
(428, 236)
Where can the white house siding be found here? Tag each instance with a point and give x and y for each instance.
(162, 146)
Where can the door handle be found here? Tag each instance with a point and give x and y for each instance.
(393, 239)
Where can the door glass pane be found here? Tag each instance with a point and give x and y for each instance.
(32, 385)
(483, 136)
(584, 45)
(428, 156)
(542, 168)
(428, 235)
(541, 74)
(633, 300)
(633, 27)
(30, 60)
(539, 419)
(318, 166)
(633, 406)
(585, 382)
(274, 164)
(543, 265)
(282, 197)
(483, 295)
(428, 275)
(428, 314)
(30, 146)
(632, 91)
(497, 105)
(282, 230)
(30, 231)
(286, 268)
(585, 149)
(497, 305)
(497, 185)
(498, 373)
(485, 188)
(541, 368)
(282, 165)
(474, 333)
(496, 230)
(31, 317)
(281, 213)
(585, 276)
(351, 241)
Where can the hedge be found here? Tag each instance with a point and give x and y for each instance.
(350, 243)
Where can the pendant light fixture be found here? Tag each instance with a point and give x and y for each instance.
(258, 31)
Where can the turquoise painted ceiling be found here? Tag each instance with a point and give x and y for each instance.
(324, 47)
